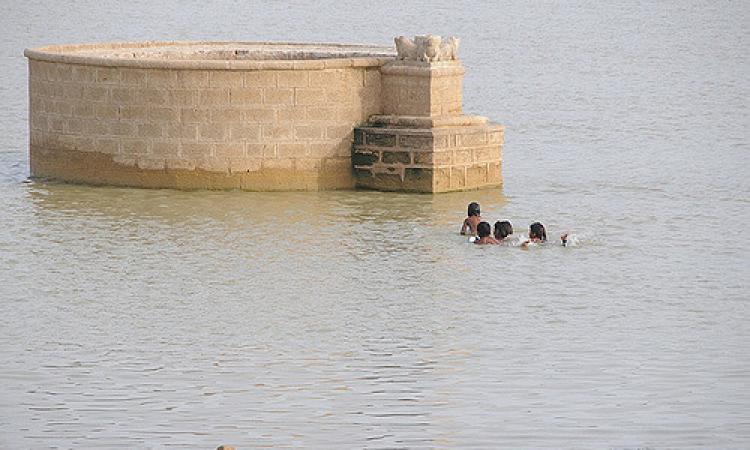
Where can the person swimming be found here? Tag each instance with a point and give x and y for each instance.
(484, 230)
(503, 230)
(472, 220)
(538, 235)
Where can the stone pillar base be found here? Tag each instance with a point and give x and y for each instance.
(389, 156)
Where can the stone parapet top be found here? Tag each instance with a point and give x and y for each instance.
(197, 55)
(423, 69)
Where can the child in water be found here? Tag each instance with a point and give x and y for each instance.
(473, 219)
(484, 230)
(503, 230)
(538, 235)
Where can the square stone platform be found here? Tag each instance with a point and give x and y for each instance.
(430, 160)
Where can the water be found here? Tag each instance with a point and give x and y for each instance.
(156, 319)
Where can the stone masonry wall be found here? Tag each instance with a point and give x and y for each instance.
(265, 129)
(428, 160)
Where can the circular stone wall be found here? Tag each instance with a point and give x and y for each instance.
(198, 115)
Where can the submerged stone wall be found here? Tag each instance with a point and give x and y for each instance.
(256, 125)
(258, 116)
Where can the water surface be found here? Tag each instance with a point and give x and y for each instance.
(156, 318)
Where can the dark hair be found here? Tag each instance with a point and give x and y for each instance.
(503, 229)
(484, 229)
(536, 230)
(473, 209)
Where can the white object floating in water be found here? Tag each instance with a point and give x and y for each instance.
(472, 239)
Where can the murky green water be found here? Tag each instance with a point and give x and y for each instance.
(151, 319)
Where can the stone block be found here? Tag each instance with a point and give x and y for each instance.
(339, 132)
(245, 164)
(473, 139)
(179, 164)
(108, 146)
(246, 96)
(433, 158)
(182, 131)
(133, 77)
(194, 149)
(95, 93)
(292, 114)
(227, 115)
(262, 115)
(107, 75)
(274, 96)
(306, 132)
(135, 113)
(364, 158)
(226, 78)
(285, 164)
(282, 132)
(307, 164)
(328, 79)
(462, 156)
(291, 150)
(292, 78)
(486, 154)
(160, 78)
(165, 149)
(415, 142)
(476, 176)
(261, 79)
(122, 129)
(186, 97)
(212, 164)
(230, 149)
(397, 157)
(212, 131)
(161, 114)
(372, 77)
(258, 150)
(317, 113)
(309, 96)
(192, 79)
(210, 97)
(458, 178)
(244, 131)
(106, 112)
(150, 130)
(380, 139)
(134, 147)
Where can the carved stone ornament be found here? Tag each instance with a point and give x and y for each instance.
(427, 48)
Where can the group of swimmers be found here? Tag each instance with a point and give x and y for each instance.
(482, 233)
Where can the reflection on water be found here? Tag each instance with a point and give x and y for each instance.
(151, 319)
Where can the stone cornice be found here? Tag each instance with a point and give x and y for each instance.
(184, 55)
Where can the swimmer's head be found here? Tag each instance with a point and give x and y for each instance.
(503, 229)
(484, 229)
(537, 231)
(473, 209)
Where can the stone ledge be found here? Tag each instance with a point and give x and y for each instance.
(395, 121)
(118, 54)
(423, 69)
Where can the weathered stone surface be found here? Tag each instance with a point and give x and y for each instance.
(258, 117)
(419, 160)
(427, 48)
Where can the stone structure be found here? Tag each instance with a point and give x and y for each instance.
(422, 142)
(256, 116)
